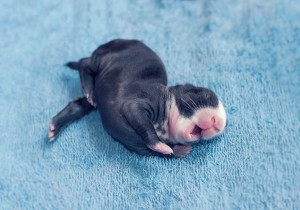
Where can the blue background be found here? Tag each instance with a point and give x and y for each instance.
(248, 52)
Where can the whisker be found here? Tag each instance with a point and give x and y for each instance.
(194, 104)
(187, 105)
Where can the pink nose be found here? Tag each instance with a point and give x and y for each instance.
(207, 123)
(211, 122)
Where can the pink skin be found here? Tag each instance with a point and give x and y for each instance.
(206, 123)
(51, 132)
(178, 151)
(209, 121)
(162, 148)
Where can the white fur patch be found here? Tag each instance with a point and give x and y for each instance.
(179, 129)
(218, 112)
(212, 121)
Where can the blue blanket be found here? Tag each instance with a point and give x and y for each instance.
(248, 52)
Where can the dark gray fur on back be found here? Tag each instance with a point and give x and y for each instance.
(128, 83)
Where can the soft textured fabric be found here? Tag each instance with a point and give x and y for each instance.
(248, 52)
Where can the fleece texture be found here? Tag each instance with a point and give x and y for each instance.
(248, 52)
